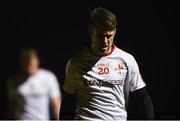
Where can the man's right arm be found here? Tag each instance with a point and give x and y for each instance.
(68, 106)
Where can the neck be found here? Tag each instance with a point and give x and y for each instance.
(97, 53)
(32, 71)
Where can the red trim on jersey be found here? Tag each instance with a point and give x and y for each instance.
(112, 50)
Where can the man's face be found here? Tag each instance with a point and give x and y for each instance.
(31, 66)
(102, 40)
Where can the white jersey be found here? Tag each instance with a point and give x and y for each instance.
(102, 84)
(37, 91)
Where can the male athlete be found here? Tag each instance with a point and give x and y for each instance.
(102, 75)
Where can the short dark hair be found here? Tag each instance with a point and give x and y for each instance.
(102, 18)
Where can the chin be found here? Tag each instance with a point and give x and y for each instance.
(103, 52)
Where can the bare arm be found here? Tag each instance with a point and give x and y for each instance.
(56, 105)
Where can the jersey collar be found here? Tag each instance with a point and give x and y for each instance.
(112, 50)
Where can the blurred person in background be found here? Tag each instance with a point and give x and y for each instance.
(35, 92)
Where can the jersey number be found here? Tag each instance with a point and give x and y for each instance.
(104, 70)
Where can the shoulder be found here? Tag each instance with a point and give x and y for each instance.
(45, 72)
(79, 57)
(126, 56)
(128, 59)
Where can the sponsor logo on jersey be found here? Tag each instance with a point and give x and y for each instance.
(91, 81)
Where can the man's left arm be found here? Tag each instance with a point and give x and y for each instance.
(55, 96)
(138, 91)
(144, 103)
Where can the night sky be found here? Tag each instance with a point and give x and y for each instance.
(146, 29)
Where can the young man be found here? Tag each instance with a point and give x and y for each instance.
(31, 91)
(102, 75)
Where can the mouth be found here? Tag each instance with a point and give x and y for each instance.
(104, 47)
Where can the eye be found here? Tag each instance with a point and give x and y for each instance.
(108, 36)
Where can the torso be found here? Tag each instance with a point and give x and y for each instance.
(35, 91)
(100, 86)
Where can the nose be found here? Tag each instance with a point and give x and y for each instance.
(105, 40)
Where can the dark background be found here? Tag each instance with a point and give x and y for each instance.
(146, 29)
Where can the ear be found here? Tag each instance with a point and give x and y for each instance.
(114, 31)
